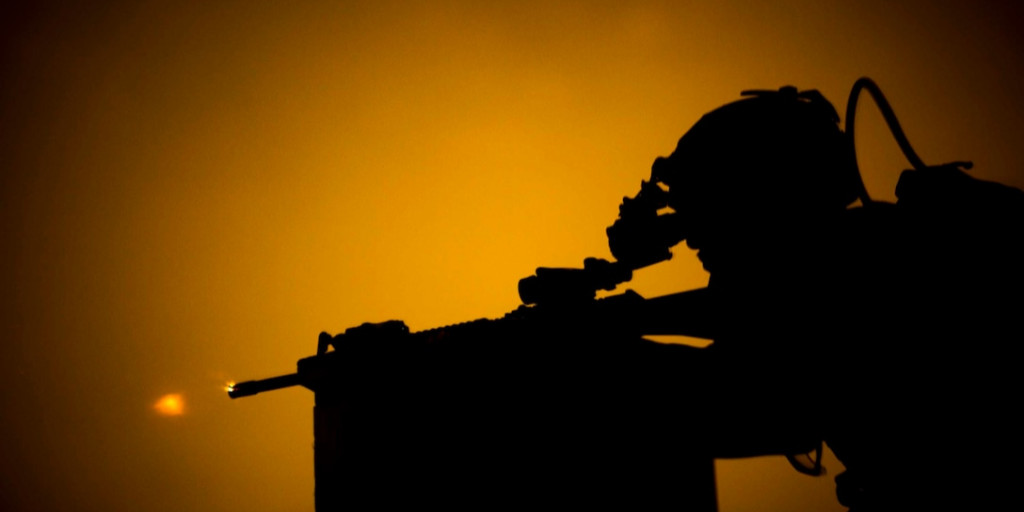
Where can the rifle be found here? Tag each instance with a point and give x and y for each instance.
(556, 302)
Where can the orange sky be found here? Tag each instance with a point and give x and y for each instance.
(191, 193)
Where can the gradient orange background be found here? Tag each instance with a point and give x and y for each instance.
(191, 193)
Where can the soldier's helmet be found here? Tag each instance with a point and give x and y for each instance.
(774, 149)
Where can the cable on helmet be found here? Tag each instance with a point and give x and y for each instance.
(894, 127)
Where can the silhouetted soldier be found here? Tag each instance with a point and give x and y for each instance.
(885, 330)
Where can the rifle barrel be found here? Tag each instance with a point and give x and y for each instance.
(252, 387)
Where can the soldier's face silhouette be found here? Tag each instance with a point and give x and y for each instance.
(731, 213)
(720, 213)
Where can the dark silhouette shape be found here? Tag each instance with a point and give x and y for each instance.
(907, 309)
(884, 330)
(549, 404)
